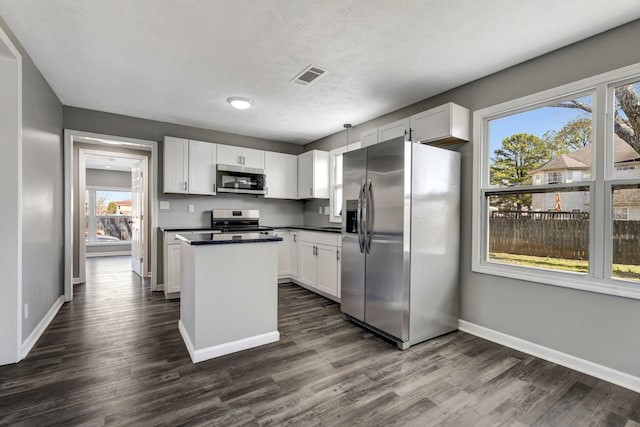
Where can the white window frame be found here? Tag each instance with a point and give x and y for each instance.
(332, 176)
(555, 174)
(599, 278)
(91, 189)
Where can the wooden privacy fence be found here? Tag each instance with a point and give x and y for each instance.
(558, 235)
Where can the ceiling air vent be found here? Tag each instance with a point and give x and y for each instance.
(309, 75)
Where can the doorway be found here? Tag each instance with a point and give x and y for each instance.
(130, 226)
(113, 203)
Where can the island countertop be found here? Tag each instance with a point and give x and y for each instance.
(226, 238)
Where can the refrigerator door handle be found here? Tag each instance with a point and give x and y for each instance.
(368, 232)
(360, 218)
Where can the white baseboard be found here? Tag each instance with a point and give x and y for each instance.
(226, 348)
(32, 339)
(581, 365)
(309, 288)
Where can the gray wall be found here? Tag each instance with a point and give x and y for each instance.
(108, 178)
(42, 194)
(272, 212)
(595, 327)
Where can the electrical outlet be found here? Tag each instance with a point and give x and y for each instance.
(192, 208)
(26, 311)
(320, 210)
(165, 205)
(326, 210)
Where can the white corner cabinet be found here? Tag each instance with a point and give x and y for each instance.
(281, 175)
(189, 167)
(318, 262)
(240, 156)
(445, 124)
(287, 255)
(313, 175)
(171, 270)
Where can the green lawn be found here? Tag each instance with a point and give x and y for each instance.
(622, 271)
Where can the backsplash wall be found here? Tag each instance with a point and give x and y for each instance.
(311, 215)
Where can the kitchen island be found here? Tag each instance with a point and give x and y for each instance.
(229, 296)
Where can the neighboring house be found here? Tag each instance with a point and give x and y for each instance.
(576, 167)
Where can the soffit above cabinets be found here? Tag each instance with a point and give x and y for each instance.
(179, 61)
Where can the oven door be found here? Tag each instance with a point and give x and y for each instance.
(239, 179)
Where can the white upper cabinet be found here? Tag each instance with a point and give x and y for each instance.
(448, 123)
(202, 168)
(313, 175)
(189, 166)
(393, 130)
(239, 156)
(281, 174)
(369, 137)
(176, 165)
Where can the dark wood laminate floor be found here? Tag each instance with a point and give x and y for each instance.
(114, 356)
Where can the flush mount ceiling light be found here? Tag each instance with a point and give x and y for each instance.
(240, 102)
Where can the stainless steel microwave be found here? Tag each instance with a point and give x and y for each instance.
(240, 179)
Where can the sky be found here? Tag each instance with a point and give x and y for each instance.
(535, 122)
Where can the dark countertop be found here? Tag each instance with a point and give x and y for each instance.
(337, 229)
(185, 228)
(330, 229)
(226, 238)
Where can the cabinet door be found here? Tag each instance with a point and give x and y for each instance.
(281, 172)
(307, 263)
(293, 255)
(448, 122)
(305, 175)
(253, 158)
(175, 165)
(393, 130)
(284, 260)
(229, 154)
(327, 279)
(320, 174)
(172, 281)
(339, 272)
(202, 168)
(369, 137)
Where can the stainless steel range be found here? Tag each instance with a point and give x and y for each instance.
(238, 221)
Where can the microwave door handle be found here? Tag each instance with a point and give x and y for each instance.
(359, 219)
(369, 217)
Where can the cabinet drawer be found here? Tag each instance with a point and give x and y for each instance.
(330, 239)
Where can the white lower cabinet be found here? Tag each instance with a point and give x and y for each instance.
(318, 263)
(171, 264)
(288, 255)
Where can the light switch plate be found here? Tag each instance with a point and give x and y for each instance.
(320, 210)
(165, 205)
(192, 208)
(326, 210)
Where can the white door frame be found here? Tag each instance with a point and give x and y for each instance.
(102, 139)
(82, 186)
(11, 252)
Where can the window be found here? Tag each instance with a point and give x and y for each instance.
(554, 177)
(578, 227)
(335, 184)
(107, 216)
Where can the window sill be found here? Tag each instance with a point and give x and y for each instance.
(579, 281)
(119, 243)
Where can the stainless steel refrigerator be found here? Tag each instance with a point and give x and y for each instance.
(400, 240)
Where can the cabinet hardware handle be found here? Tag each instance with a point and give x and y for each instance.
(311, 191)
(338, 254)
(295, 238)
(214, 188)
(185, 186)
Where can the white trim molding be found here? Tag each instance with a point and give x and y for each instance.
(226, 348)
(35, 335)
(567, 360)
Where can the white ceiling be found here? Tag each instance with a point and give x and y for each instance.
(178, 61)
(112, 162)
